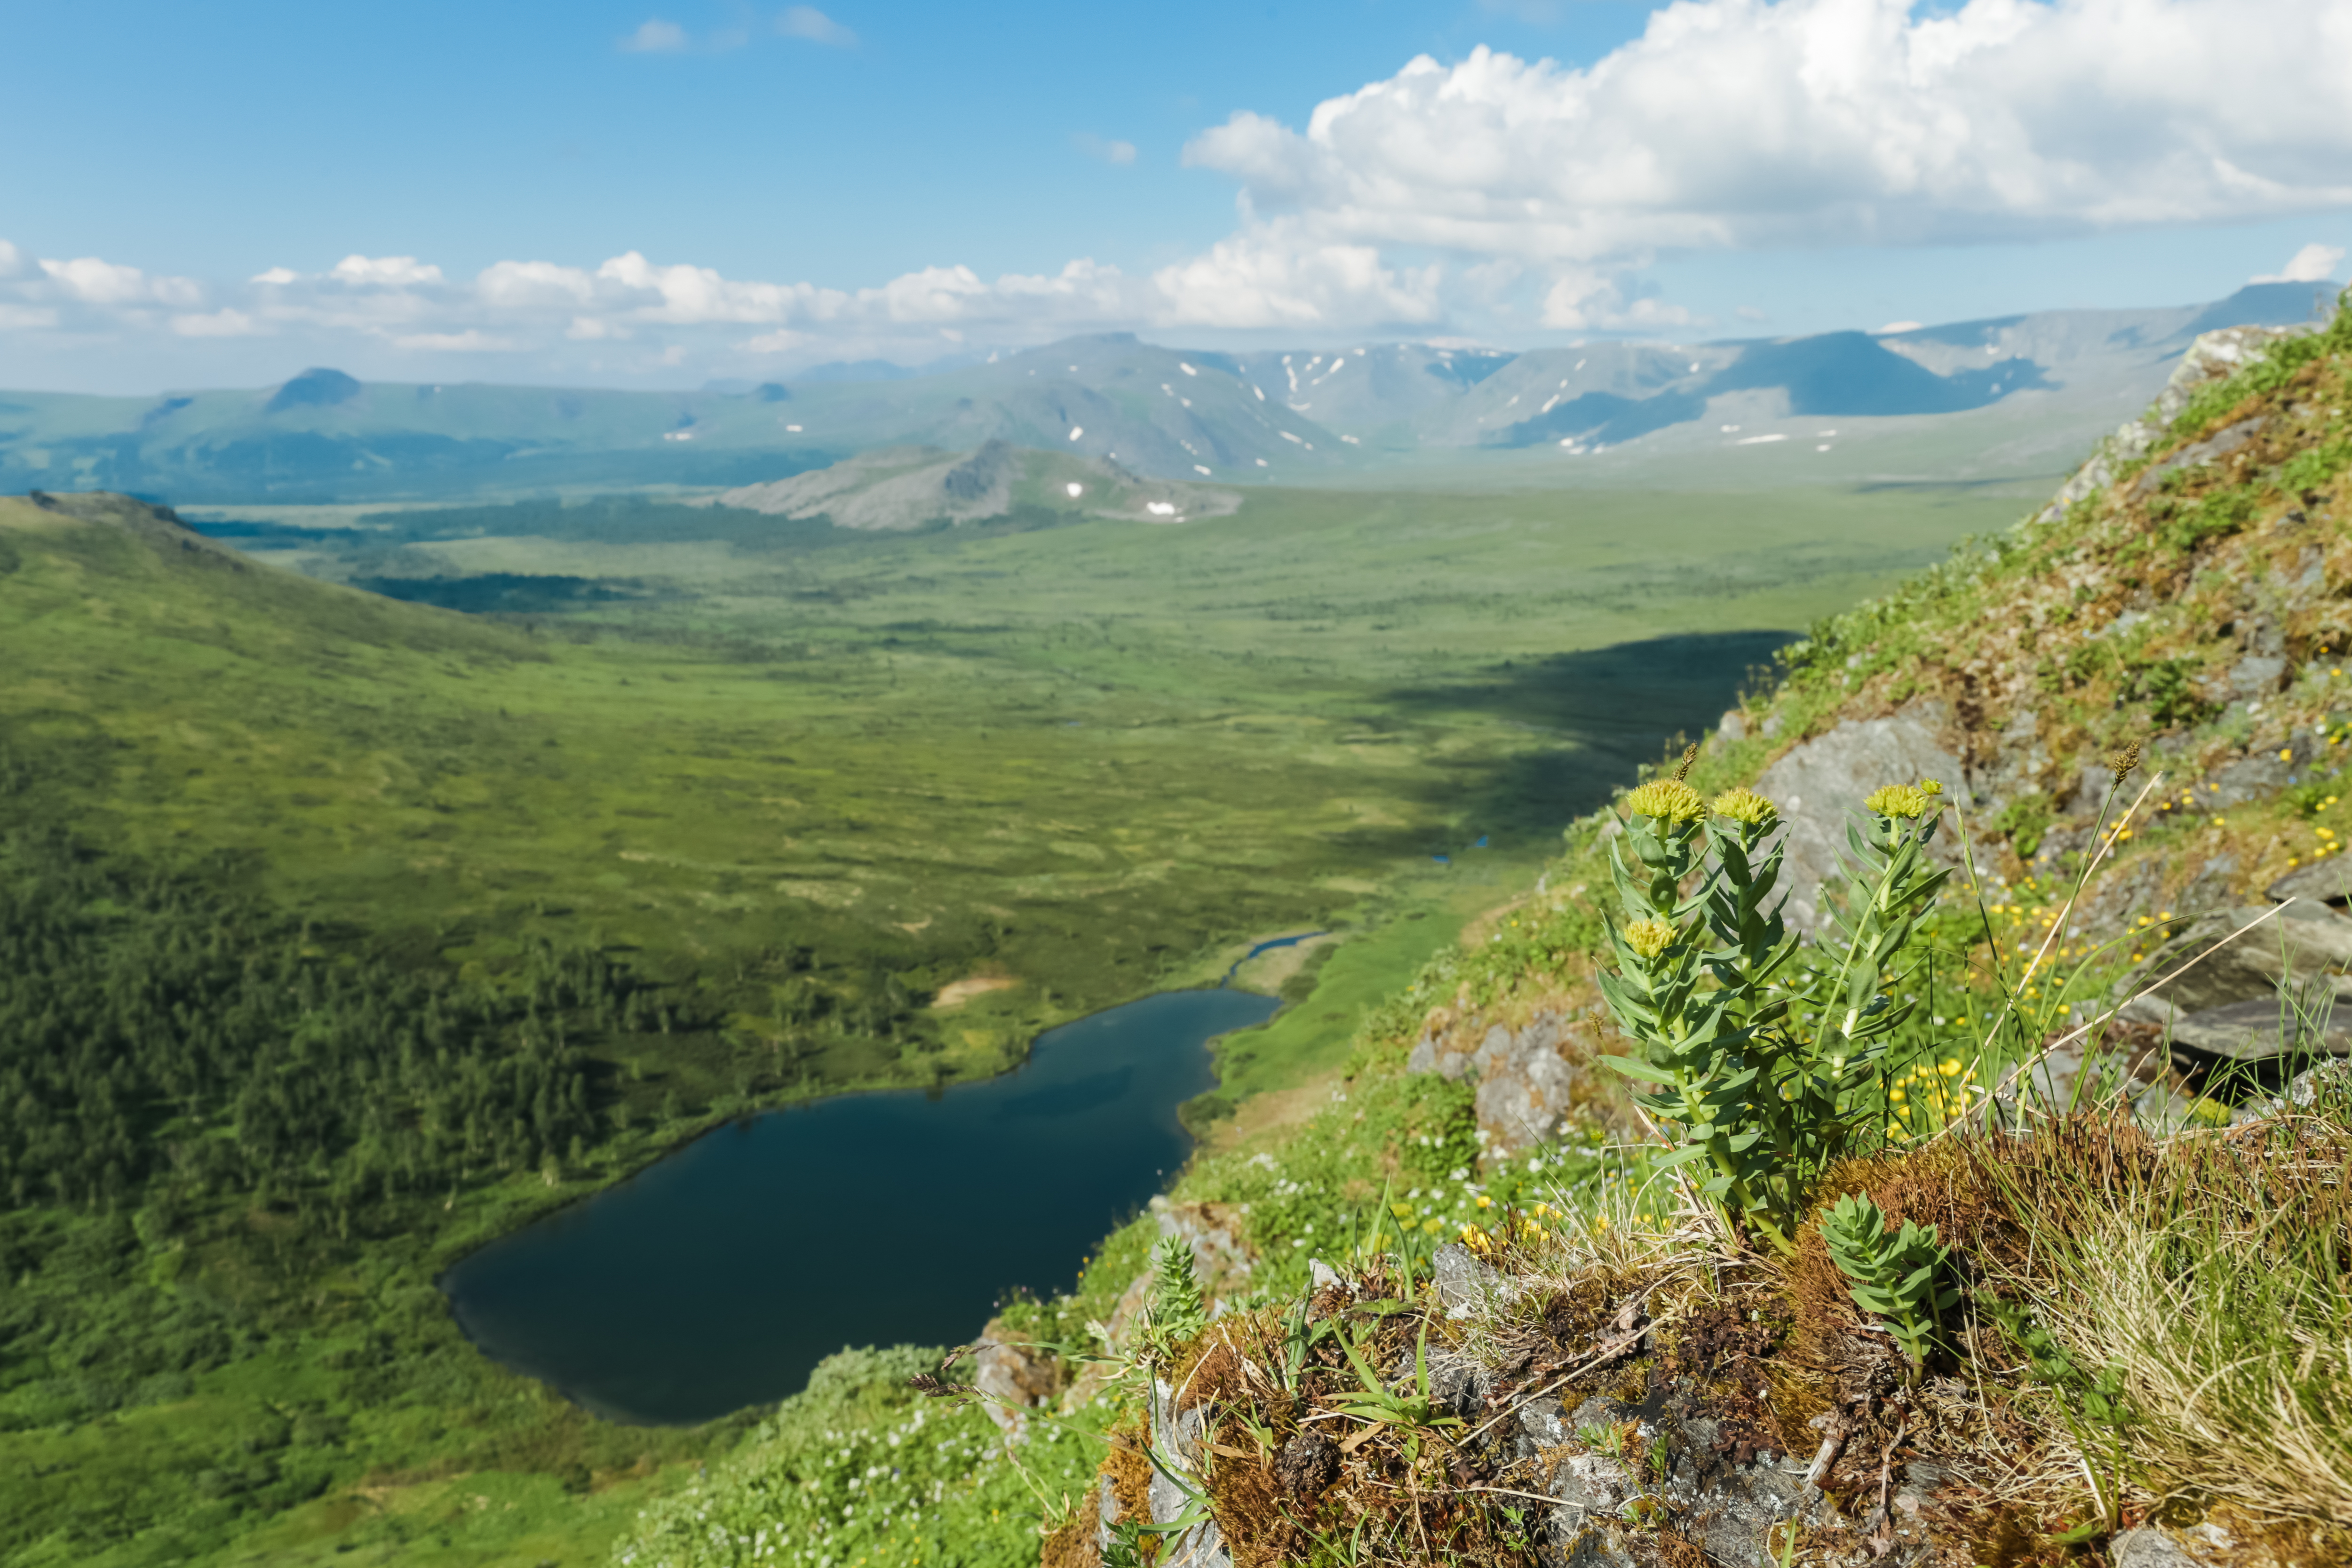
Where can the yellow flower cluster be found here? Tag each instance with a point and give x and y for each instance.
(1743, 804)
(1667, 800)
(1531, 1225)
(1651, 938)
(1934, 1092)
(1906, 801)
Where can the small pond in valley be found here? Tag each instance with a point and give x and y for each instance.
(721, 1276)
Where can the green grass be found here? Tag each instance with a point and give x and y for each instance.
(1316, 1034)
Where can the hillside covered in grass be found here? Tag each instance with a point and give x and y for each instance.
(1963, 1234)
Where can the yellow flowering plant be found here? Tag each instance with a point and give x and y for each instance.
(1757, 1050)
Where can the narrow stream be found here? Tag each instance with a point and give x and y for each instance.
(721, 1276)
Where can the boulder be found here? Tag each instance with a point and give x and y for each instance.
(1818, 784)
(2305, 945)
(2328, 881)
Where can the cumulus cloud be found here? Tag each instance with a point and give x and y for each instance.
(808, 21)
(384, 271)
(655, 36)
(522, 284)
(1737, 122)
(90, 280)
(1272, 276)
(2312, 264)
(12, 261)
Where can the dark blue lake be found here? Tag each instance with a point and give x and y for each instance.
(720, 1277)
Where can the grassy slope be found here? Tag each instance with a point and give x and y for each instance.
(2007, 628)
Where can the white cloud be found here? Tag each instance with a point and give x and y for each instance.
(25, 318)
(1121, 153)
(655, 36)
(808, 21)
(694, 294)
(12, 261)
(384, 271)
(1737, 122)
(90, 280)
(276, 277)
(2312, 264)
(221, 324)
(1271, 276)
(522, 284)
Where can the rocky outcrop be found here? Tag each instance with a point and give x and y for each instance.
(2213, 355)
(1529, 1079)
(1818, 784)
(1017, 1378)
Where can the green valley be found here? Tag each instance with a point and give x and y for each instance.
(709, 837)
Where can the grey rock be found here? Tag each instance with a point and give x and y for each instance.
(1220, 1256)
(1594, 1483)
(2255, 777)
(1183, 1436)
(2256, 676)
(1578, 1541)
(2210, 885)
(2332, 1079)
(1524, 1091)
(1818, 784)
(1017, 1378)
(1463, 1282)
(2218, 445)
(2259, 1029)
(1423, 1058)
(2213, 355)
(1733, 727)
(1459, 1383)
(2308, 954)
(2328, 881)
(2150, 1546)
(1540, 1426)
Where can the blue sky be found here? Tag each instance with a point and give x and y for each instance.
(529, 191)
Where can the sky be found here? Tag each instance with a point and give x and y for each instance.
(632, 194)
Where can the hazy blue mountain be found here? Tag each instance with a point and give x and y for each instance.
(1163, 413)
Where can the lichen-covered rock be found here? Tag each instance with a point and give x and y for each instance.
(1528, 1078)
(1220, 1257)
(1181, 1437)
(1818, 784)
(1017, 1378)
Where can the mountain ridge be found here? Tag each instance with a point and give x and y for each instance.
(1160, 412)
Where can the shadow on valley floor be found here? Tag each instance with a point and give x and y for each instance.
(1612, 709)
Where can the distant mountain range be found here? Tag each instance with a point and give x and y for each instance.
(1159, 413)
